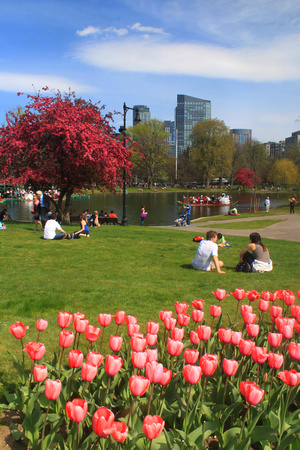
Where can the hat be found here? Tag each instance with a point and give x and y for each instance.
(39, 192)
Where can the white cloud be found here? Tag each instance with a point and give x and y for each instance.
(18, 82)
(275, 61)
(88, 31)
(142, 29)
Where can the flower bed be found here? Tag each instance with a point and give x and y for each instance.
(178, 385)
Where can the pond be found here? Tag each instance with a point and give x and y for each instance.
(163, 208)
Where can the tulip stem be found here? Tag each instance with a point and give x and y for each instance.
(150, 398)
(150, 444)
(282, 423)
(226, 383)
(38, 336)
(107, 387)
(244, 421)
(23, 353)
(202, 395)
(60, 361)
(71, 382)
(102, 337)
(44, 425)
(185, 425)
(78, 436)
(130, 411)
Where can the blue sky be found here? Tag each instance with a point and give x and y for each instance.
(243, 56)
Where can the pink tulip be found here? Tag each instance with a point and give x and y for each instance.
(236, 336)
(18, 330)
(191, 356)
(194, 337)
(215, 311)
(197, 315)
(177, 333)
(174, 348)
(191, 373)
(151, 339)
(208, 364)
(220, 294)
(290, 377)
(239, 294)
(78, 315)
(103, 422)
(152, 327)
(139, 359)
(52, 389)
(119, 432)
(164, 314)
(246, 347)
(92, 333)
(166, 377)
(252, 393)
(289, 298)
(132, 328)
(80, 324)
(294, 350)
(131, 320)
(94, 358)
(64, 319)
(66, 338)
(115, 343)
(181, 308)
(75, 358)
(41, 324)
(138, 385)
(276, 311)
(35, 350)
(275, 339)
(153, 426)
(198, 304)
(170, 323)
(204, 332)
(183, 319)
(295, 310)
(113, 364)
(259, 355)
(104, 319)
(138, 344)
(224, 335)
(40, 373)
(246, 309)
(249, 318)
(77, 409)
(154, 371)
(275, 360)
(252, 330)
(263, 305)
(230, 366)
(88, 371)
(152, 354)
(265, 295)
(252, 295)
(120, 317)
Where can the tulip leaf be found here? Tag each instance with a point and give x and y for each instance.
(16, 433)
(263, 434)
(87, 443)
(229, 434)
(289, 438)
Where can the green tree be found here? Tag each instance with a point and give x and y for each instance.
(284, 171)
(257, 159)
(154, 148)
(212, 148)
(293, 153)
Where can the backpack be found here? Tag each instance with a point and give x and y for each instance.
(243, 267)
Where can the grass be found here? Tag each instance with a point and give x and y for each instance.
(141, 270)
(249, 225)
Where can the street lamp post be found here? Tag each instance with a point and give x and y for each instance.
(123, 131)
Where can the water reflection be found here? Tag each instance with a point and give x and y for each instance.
(163, 208)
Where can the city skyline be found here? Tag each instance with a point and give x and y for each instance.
(243, 57)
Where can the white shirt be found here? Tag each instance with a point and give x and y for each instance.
(50, 228)
(206, 251)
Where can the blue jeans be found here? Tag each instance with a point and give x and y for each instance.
(59, 236)
(188, 219)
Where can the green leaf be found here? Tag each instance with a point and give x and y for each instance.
(263, 434)
(87, 443)
(16, 433)
(229, 434)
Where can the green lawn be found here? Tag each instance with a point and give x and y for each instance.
(141, 270)
(249, 225)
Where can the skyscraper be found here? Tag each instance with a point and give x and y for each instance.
(144, 112)
(241, 136)
(169, 126)
(189, 111)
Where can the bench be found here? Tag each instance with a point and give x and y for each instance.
(109, 220)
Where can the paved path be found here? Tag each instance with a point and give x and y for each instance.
(287, 230)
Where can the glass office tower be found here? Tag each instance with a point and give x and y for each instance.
(144, 112)
(189, 111)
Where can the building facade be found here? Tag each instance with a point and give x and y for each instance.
(275, 149)
(188, 112)
(293, 140)
(241, 136)
(144, 112)
(169, 126)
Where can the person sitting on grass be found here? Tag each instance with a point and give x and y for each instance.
(84, 230)
(50, 228)
(206, 257)
(233, 212)
(256, 255)
(221, 242)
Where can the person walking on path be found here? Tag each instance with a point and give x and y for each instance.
(267, 204)
(292, 204)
